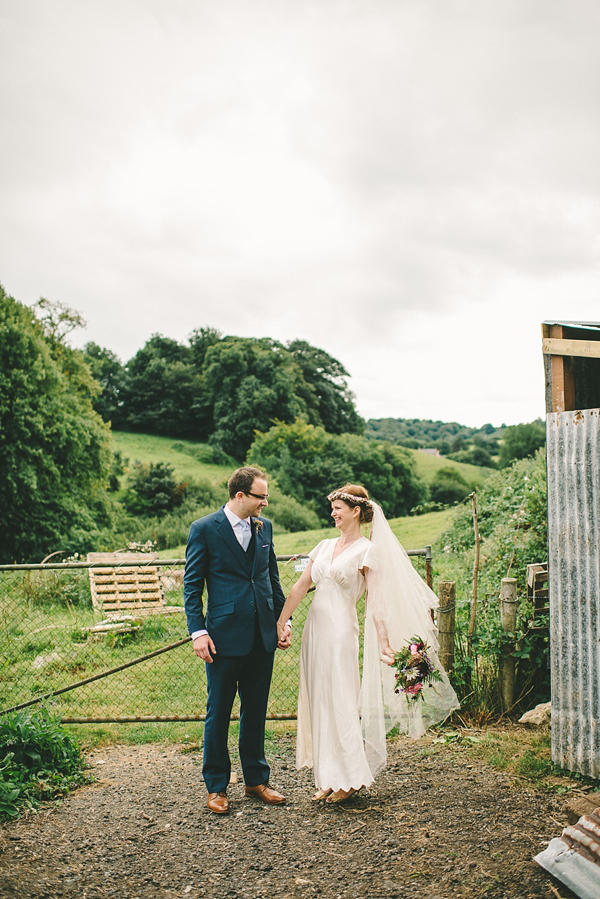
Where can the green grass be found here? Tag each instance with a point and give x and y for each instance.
(427, 466)
(46, 646)
(413, 532)
(149, 448)
(523, 753)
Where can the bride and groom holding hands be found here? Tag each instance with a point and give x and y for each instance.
(342, 721)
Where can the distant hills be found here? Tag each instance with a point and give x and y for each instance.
(420, 433)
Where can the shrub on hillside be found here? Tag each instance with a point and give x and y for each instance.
(152, 489)
(448, 486)
(287, 514)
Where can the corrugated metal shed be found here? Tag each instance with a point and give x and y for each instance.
(574, 587)
(572, 365)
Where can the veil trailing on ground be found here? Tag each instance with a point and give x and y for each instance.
(399, 605)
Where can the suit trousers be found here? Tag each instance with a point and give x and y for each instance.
(250, 676)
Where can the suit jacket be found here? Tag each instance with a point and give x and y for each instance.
(241, 587)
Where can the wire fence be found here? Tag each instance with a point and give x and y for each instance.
(106, 641)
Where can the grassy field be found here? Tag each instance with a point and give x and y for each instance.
(413, 532)
(148, 448)
(428, 465)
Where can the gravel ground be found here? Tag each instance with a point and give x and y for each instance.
(435, 824)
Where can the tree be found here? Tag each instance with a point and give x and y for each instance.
(308, 463)
(54, 449)
(325, 391)
(521, 441)
(251, 384)
(448, 486)
(152, 489)
(107, 370)
(165, 393)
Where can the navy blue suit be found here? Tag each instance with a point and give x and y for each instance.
(244, 600)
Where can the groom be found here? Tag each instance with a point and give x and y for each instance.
(231, 551)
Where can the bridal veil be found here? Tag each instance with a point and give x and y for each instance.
(400, 603)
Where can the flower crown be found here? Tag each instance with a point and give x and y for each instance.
(339, 494)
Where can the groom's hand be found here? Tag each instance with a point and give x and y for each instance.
(204, 648)
(285, 636)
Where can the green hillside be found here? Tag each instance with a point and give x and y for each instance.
(413, 532)
(427, 466)
(184, 455)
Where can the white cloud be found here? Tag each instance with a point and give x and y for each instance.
(411, 185)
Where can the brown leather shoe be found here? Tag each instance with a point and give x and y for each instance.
(266, 794)
(218, 803)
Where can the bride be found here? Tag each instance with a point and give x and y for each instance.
(342, 723)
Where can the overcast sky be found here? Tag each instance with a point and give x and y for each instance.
(412, 185)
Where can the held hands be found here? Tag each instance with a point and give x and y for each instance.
(204, 648)
(284, 635)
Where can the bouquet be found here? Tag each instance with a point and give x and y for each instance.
(414, 670)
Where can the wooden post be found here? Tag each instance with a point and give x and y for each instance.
(446, 623)
(508, 612)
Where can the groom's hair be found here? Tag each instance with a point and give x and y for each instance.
(242, 479)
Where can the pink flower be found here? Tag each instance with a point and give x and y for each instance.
(414, 689)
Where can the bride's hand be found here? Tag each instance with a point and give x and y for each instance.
(387, 655)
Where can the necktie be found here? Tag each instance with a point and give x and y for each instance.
(244, 535)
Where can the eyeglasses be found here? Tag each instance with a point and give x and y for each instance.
(258, 495)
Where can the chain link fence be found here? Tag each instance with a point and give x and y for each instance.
(106, 641)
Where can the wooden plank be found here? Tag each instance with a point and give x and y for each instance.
(561, 375)
(556, 346)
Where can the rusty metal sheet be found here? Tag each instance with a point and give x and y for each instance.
(574, 858)
(573, 454)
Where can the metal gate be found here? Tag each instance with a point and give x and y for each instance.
(59, 644)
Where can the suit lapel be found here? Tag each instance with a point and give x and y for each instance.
(226, 532)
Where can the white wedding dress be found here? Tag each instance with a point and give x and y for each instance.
(342, 724)
(329, 730)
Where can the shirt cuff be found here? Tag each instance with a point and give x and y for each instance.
(198, 634)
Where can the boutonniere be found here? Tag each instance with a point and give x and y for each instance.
(258, 525)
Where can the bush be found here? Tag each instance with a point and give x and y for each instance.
(287, 514)
(448, 486)
(308, 463)
(38, 760)
(152, 489)
(57, 587)
(513, 530)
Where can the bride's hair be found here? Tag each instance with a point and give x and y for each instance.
(347, 493)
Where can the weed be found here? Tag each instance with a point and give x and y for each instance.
(38, 760)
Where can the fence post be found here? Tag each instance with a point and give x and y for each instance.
(446, 623)
(508, 613)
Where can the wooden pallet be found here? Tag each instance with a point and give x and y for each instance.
(537, 588)
(126, 587)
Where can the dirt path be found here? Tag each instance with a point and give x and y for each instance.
(434, 826)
